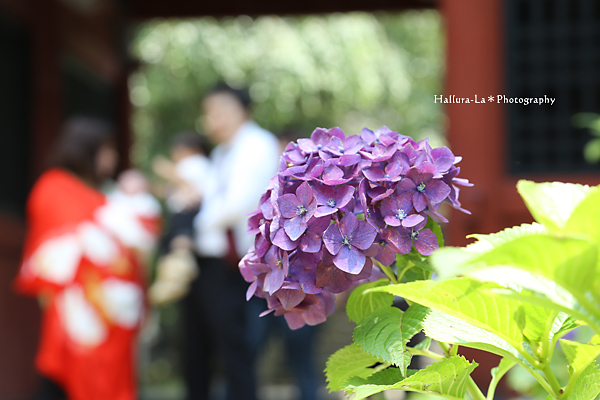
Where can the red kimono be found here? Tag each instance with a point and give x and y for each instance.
(90, 284)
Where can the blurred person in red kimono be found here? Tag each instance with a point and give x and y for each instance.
(81, 260)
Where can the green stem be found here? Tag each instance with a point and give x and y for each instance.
(389, 273)
(543, 383)
(454, 350)
(474, 390)
(472, 387)
(545, 354)
(445, 348)
(530, 359)
(409, 265)
(426, 353)
(557, 391)
(500, 372)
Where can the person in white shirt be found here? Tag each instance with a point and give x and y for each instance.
(242, 163)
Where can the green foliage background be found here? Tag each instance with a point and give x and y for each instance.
(347, 70)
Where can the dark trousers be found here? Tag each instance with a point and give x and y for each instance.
(48, 390)
(215, 328)
(299, 346)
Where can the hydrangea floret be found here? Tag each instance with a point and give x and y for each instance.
(339, 205)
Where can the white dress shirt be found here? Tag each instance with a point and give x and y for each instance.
(240, 171)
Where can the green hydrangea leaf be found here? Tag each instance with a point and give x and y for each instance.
(563, 269)
(587, 386)
(570, 262)
(376, 383)
(385, 333)
(452, 261)
(551, 203)
(447, 378)
(448, 329)
(586, 216)
(468, 300)
(556, 298)
(361, 304)
(347, 362)
(563, 324)
(416, 274)
(413, 267)
(579, 356)
(487, 242)
(424, 344)
(497, 373)
(436, 228)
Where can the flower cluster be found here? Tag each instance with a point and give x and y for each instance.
(337, 204)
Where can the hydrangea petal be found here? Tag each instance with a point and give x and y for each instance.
(324, 210)
(251, 290)
(436, 191)
(412, 220)
(350, 260)
(290, 298)
(295, 227)
(288, 205)
(333, 239)
(294, 320)
(419, 201)
(443, 158)
(304, 193)
(283, 241)
(332, 278)
(274, 280)
(426, 242)
(348, 224)
(343, 196)
(364, 235)
(400, 238)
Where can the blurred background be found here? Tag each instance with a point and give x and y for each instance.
(146, 64)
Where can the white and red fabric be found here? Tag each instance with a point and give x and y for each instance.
(83, 267)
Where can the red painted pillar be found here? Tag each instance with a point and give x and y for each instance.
(474, 66)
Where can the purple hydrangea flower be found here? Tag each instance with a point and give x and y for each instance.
(329, 276)
(392, 172)
(424, 240)
(396, 210)
(425, 190)
(334, 175)
(312, 310)
(383, 249)
(331, 199)
(347, 242)
(312, 239)
(346, 146)
(309, 242)
(451, 180)
(303, 270)
(297, 210)
(278, 262)
(318, 139)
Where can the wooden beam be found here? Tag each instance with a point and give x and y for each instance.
(144, 9)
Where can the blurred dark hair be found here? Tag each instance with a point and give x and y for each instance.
(78, 144)
(241, 94)
(291, 134)
(192, 140)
